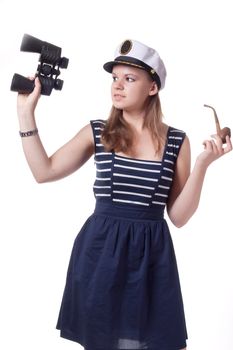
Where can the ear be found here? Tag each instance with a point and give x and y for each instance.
(154, 89)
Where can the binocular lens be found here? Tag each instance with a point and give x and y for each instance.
(22, 84)
(58, 84)
(64, 62)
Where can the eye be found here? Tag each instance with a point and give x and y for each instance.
(114, 78)
(130, 79)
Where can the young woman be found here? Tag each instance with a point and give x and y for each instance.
(122, 289)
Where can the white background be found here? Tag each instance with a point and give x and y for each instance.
(39, 222)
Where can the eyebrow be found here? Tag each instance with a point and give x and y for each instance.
(132, 74)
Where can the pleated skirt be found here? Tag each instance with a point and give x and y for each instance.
(122, 288)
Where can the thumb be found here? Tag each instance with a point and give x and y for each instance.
(37, 87)
(35, 94)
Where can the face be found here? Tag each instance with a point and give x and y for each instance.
(131, 88)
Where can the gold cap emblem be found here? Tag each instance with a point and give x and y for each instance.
(126, 47)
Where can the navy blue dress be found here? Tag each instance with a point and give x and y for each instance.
(122, 288)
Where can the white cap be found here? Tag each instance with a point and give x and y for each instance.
(136, 54)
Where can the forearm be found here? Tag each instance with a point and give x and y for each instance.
(188, 200)
(34, 151)
(67, 159)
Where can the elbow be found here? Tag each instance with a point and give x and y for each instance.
(43, 175)
(179, 223)
(46, 177)
(40, 178)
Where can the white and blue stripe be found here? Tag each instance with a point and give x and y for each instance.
(134, 182)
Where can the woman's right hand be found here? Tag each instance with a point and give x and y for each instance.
(214, 149)
(26, 103)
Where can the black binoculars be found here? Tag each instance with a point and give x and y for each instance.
(48, 70)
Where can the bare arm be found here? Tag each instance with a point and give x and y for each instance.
(64, 161)
(186, 190)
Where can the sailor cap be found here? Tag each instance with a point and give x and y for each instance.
(134, 53)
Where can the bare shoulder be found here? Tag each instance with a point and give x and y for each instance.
(81, 145)
(182, 171)
(72, 155)
(84, 138)
(86, 132)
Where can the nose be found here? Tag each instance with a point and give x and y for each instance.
(118, 84)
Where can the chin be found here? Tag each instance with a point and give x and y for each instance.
(118, 105)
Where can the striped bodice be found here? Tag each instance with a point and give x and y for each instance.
(134, 182)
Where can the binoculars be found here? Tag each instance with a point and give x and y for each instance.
(48, 70)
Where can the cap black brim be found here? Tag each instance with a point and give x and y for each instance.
(130, 61)
(109, 66)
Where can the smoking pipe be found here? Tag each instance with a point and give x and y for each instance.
(221, 132)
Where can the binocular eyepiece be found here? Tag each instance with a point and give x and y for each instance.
(48, 70)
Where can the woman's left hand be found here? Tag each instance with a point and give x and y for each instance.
(214, 149)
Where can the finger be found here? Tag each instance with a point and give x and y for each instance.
(228, 147)
(215, 149)
(36, 81)
(218, 142)
(208, 145)
(204, 144)
(37, 84)
(37, 88)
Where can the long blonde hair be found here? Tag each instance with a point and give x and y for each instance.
(118, 135)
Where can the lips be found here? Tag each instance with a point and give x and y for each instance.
(118, 96)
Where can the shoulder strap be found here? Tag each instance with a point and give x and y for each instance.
(175, 140)
(97, 127)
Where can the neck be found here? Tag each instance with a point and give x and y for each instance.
(135, 120)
